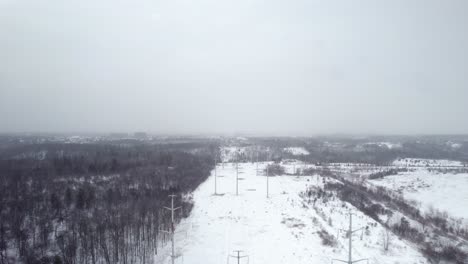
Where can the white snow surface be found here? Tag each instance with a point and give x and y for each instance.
(297, 151)
(444, 192)
(275, 230)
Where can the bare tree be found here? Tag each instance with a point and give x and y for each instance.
(386, 238)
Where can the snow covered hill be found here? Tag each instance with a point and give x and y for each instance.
(283, 228)
(297, 151)
(444, 192)
(410, 162)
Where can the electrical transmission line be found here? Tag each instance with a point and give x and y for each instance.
(172, 231)
(256, 163)
(238, 256)
(268, 178)
(304, 167)
(237, 175)
(216, 177)
(350, 233)
(267, 182)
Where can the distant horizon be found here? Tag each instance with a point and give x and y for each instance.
(239, 134)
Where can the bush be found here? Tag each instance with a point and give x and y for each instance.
(274, 169)
(448, 253)
(381, 174)
(327, 239)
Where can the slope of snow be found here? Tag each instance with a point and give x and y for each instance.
(445, 192)
(297, 151)
(276, 230)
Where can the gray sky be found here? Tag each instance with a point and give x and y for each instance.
(293, 67)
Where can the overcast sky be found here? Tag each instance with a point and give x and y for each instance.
(295, 67)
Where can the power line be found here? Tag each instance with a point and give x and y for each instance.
(238, 256)
(172, 231)
(237, 173)
(304, 167)
(350, 233)
(256, 171)
(267, 182)
(215, 177)
(237, 177)
(222, 155)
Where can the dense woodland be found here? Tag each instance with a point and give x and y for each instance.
(94, 203)
(358, 150)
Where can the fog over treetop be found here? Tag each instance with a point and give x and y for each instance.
(216, 66)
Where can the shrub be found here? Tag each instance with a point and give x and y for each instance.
(274, 169)
(327, 239)
(381, 174)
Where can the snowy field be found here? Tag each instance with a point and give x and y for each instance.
(444, 192)
(276, 230)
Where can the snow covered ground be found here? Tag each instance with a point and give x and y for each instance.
(409, 162)
(276, 230)
(444, 192)
(297, 151)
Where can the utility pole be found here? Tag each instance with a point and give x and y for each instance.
(238, 256)
(237, 177)
(215, 177)
(256, 171)
(350, 233)
(303, 169)
(268, 184)
(222, 161)
(172, 231)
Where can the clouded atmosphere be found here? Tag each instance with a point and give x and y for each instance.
(215, 66)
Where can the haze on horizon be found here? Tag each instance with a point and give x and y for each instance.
(216, 66)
